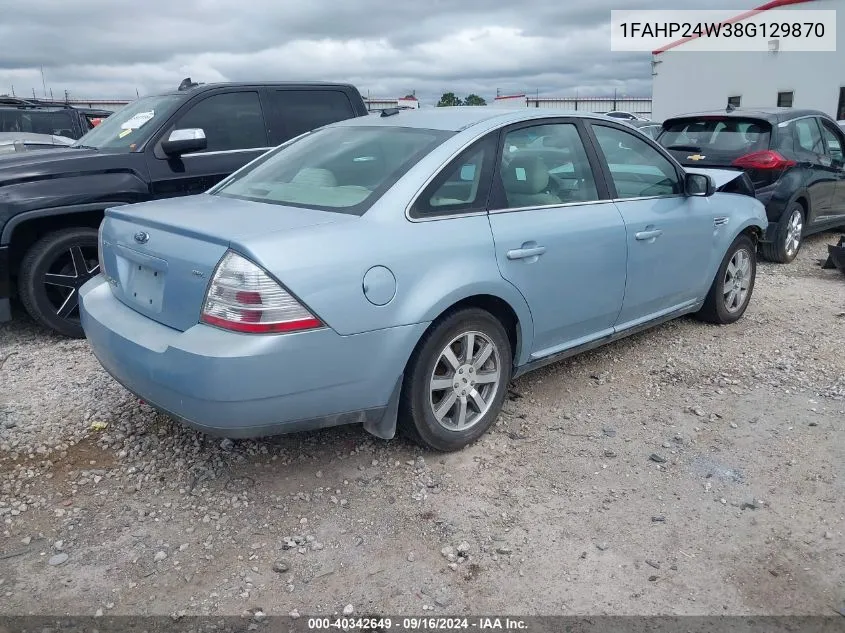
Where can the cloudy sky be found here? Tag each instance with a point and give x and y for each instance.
(111, 49)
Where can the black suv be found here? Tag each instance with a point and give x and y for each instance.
(174, 144)
(794, 158)
(40, 117)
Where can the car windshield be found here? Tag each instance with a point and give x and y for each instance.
(132, 124)
(32, 121)
(344, 169)
(731, 136)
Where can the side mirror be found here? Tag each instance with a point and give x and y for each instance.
(184, 141)
(699, 185)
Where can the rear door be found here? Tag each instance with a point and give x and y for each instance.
(234, 126)
(834, 141)
(294, 111)
(671, 237)
(558, 237)
(821, 175)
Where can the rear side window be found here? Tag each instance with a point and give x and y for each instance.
(804, 135)
(832, 141)
(726, 137)
(463, 185)
(293, 112)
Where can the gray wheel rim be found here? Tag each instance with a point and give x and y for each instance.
(737, 281)
(794, 227)
(465, 380)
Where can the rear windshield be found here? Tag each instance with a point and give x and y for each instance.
(343, 169)
(55, 122)
(724, 136)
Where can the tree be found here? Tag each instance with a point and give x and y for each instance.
(474, 100)
(448, 99)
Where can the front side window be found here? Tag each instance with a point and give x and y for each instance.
(636, 168)
(133, 124)
(231, 121)
(551, 169)
(344, 169)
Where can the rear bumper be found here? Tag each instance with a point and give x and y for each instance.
(5, 285)
(241, 385)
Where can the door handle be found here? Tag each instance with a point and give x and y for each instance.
(525, 253)
(649, 235)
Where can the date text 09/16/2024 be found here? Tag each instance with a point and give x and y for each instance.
(421, 623)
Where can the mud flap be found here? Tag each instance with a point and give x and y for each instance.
(836, 256)
(385, 427)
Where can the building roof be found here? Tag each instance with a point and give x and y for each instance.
(772, 4)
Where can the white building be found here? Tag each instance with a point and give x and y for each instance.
(640, 106)
(690, 80)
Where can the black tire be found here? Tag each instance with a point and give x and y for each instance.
(58, 253)
(417, 419)
(715, 309)
(777, 251)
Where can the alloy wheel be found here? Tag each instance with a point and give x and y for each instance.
(68, 272)
(794, 228)
(737, 280)
(465, 381)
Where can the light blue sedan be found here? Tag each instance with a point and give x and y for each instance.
(399, 270)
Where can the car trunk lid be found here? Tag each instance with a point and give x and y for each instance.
(159, 257)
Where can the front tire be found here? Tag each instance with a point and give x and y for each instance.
(788, 236)
(51, 274)
(456, 381)
(733, 285)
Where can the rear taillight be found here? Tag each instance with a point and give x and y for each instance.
(244, 298)
(765, 159)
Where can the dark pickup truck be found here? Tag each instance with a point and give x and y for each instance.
(174, 144)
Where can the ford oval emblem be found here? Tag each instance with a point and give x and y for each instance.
(142, 237)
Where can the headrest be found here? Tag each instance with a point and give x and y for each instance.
(315, 177)
(525, 174)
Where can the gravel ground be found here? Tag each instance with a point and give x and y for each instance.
(691, 469)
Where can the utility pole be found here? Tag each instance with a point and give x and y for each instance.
(614, 98)
(43, 82)
(13, 90)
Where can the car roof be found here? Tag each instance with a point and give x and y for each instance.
(772, 115)
(257, 84)
(458, 118)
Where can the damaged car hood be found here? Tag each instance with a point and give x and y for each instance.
(720, 177)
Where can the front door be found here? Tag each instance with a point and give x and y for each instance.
(236, 134)
(670, 236)
(559, 238)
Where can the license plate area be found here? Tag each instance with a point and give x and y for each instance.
(145, 286)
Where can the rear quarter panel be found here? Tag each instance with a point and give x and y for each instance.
(435, 265)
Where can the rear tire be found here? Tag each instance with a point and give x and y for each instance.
(68, 258)
(731, 290)
(788, 236)
(457, 380)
